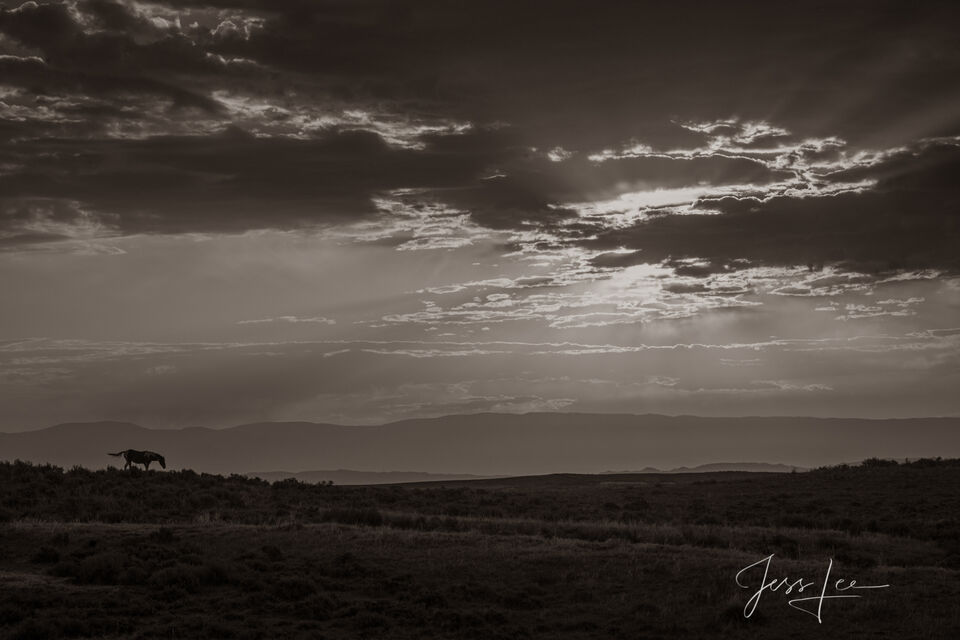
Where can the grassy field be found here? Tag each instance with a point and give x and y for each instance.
(183, 555)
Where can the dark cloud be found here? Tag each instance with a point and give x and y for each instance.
(583, 75)
(909, 220)
(37, 221)
(230, 182)
(684, 287)
(504, 202)
(663, 172)
(42, 79)
(106, 38)
(580, 179)
(528, 190)
(134, 105)
(931, 165)
(578, 75)
(25, 238)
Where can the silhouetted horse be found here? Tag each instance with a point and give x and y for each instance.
(132, 456)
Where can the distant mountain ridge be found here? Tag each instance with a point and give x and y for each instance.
(757, 467)
(497, 444)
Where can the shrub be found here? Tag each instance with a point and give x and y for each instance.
(272, 552)
(213, 574)
(294, 589)
(178, 576)
(786, 546)
(34, 629)
(163, 535)
(101, 568)
(46, 555)
(134, 576)
(61, 539)
(190, 577)
(10, 614)
(856, 559)
(879, 462)
(367, 517)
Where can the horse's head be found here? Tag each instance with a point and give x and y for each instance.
(162, 461)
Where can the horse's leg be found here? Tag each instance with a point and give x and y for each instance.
(146, 465)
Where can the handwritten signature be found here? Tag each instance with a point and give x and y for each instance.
(799, 585)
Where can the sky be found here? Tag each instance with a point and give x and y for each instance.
(215, 213)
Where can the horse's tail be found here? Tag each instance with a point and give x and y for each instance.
(118, 453)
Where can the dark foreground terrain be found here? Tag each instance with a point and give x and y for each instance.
(180, 555)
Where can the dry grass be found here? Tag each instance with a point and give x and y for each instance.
(296, 561)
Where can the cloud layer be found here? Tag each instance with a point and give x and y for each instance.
(447, 184)
(224, 117)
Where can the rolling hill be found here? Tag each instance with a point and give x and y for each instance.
(496, 444)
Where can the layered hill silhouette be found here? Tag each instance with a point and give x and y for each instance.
(497, 444)
(758, 467)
